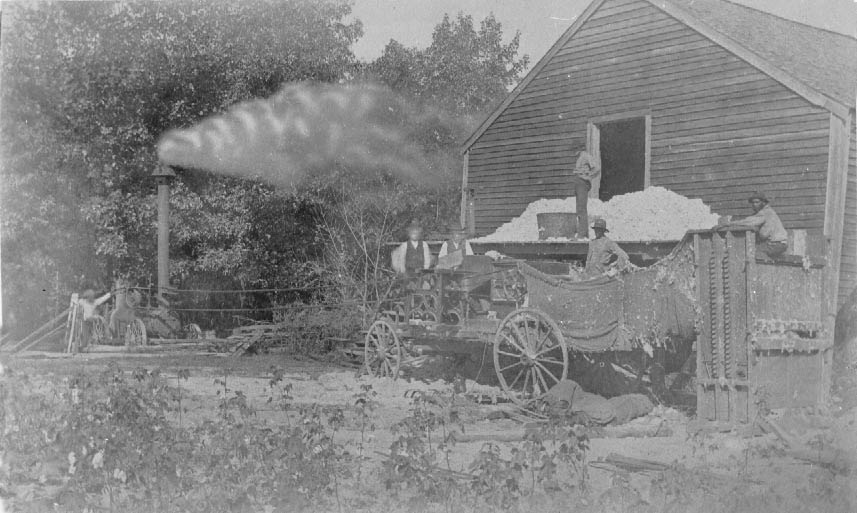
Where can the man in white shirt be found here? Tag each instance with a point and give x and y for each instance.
(456, 242)
(586, 173)
(412, 255)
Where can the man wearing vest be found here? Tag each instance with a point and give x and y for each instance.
(456, 242)
(413, 255)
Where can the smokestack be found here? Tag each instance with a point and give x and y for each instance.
(163, 176)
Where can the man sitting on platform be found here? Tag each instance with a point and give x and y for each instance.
(772, 237)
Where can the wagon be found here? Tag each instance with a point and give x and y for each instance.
(529, 320)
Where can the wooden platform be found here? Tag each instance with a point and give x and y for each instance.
(574, 250)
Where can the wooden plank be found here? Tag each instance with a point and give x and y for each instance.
(688, 90)
(686, 87)
(640, 64)
(756, 134)
(834, 218)
(582, 84)
(715, 159)
(690, 102)
(753, 119)
(616, 7)
(580, 81)
(632, 17)
(612, 26)
(562, 149)
(739, 90)
(548, 139)
(686, 125)
(55, 331)
(848, 263)
(532, 158)
(796, 143)
(639, 91)
(635, 56)
(810, 163)
(558, 186)
(619, 6)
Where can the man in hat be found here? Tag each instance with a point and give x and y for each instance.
(604, 256)
(456, 242)
(585, 179)
(772, 237)
(413, 255)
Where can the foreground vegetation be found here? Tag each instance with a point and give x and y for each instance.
(120, 440)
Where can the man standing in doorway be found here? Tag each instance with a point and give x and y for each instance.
(772, 237)
(585, 172)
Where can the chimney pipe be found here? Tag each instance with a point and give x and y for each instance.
(163, 176)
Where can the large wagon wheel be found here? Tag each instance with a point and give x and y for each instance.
(382, 351)
(97, 330)
(135, 333)
(192, 331)
(530, 355)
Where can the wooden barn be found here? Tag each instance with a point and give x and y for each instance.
(707, 98)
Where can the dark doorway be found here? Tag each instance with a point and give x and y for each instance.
(623, 157)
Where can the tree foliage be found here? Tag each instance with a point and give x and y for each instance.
(87, 89)
(464, 70)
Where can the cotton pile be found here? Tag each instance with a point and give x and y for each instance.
(650, 215)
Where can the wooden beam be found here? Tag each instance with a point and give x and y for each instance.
(834, 224)
(464, 178)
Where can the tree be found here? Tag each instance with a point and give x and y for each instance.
(464, 70)
(461, 75)
(89, 86)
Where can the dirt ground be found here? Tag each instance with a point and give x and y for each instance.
(752, 461)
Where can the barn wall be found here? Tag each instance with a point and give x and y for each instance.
(848, 266)
(720, 127)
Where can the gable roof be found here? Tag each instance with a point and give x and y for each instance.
(817, 64)
(824, 60)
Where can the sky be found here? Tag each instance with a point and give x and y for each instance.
(541, 22)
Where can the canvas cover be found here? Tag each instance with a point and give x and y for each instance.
(614, 313)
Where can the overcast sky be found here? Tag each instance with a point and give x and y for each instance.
(541, 22)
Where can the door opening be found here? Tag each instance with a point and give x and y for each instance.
(623, 148)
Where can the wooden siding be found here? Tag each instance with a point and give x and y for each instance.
(848, 266)
(720, 127)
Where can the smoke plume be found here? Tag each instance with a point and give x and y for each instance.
(308, 129)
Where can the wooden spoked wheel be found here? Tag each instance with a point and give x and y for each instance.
(382, 350)
(192, 331)
(135, 333)
(530, 355)
(98, 330)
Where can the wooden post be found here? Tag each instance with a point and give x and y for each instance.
(70, 322)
